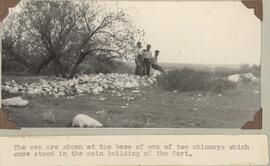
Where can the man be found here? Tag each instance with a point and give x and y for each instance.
(138, 59)
(154, 62)
(147, 55)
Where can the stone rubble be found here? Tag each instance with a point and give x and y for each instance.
(82, 85)
(240, 77)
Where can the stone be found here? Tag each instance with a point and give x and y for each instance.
(234, 78)
(82, 120)
(15, 101)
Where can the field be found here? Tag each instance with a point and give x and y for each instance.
(154, 108)
(163, 109)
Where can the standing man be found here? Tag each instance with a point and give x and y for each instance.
(147, 55)
(154, 63)
(138, 59)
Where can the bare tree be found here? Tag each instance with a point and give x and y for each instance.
(69, 33)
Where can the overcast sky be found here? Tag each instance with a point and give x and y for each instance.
(199, 32)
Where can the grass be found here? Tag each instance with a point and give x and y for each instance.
(189, 80)
(163, 109)
(157, 107)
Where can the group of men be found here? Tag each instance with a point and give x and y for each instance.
(144, 60)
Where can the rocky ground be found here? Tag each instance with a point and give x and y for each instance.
(140, 107)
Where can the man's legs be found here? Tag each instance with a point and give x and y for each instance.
(144, 67)
(148, 67)
(157, 67)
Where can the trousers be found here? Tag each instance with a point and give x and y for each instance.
(146, 66)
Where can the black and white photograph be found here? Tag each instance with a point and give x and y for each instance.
(130, 64)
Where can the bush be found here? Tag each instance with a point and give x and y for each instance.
(9, 66)
(254, 69)
(105, 68)
(192, 80)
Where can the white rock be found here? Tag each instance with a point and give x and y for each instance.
(239, 77)
(95, 91)
(251, 77)
(123, 106)
(150, 81)
(82, 120)
(15, 101)
(103, 112)
(102, 98)
(234, 78)
(128, 85)
(48, 116)
(154, 73)
(136, 91)
(256, 92)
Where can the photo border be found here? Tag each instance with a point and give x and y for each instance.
(257, 123)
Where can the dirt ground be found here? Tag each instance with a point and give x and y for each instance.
(153, 108)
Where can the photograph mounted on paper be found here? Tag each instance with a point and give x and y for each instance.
(131, 64)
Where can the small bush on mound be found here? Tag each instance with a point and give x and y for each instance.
(192, 80)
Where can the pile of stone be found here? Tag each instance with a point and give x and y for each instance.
(82, 85)
(240, 77)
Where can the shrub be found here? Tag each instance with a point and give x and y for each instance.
(191, 80)
(220, 84)
(254, 69)
(105, 68)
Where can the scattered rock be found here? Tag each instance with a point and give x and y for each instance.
(234, 78)
(124, 106)
(48, 116)
(82, 120)
(191, 124)
(155, 73)
(240, 77)
(103, 112)
(15, 101)
(256, 92)
(136, 91)
(150, 81)
(81, 85)
(220, 95)
(102, 98)
(199, 95)
(251, 77)
(119, 94)
(128, 98)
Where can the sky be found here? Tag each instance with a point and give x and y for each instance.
(207, 32)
